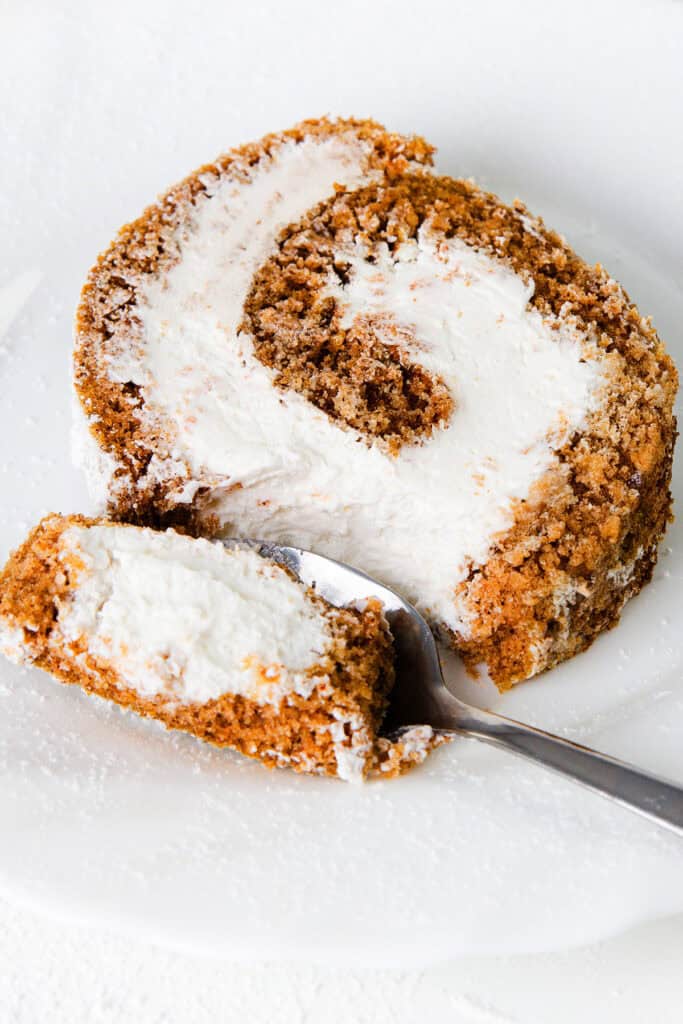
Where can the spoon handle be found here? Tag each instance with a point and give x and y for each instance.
(653, 797)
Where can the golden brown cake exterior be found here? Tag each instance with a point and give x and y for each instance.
(306, 733)
(580, 543)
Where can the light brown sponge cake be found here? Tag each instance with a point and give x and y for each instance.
(221, 643)
(316, 341)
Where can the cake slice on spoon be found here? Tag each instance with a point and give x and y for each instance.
(215, 640)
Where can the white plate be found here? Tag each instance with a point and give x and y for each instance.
(109, 819)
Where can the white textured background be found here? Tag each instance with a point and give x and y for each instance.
(51, 974)
(496, 87)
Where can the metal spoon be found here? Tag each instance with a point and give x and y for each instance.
(421, 697)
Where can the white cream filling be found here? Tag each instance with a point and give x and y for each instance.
(623, 574)
(188, 620)
(415, 743)
(419, 520)
(12, 643)
(97, 465)
(351, 752)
